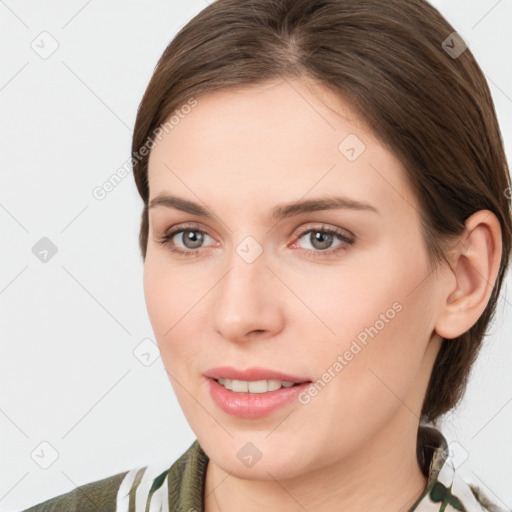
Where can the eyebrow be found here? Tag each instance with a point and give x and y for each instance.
(279, 212)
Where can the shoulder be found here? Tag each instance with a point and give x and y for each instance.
(151, 485)
(452, 489)
(447, 489)
(108, 494)
(94, 496)
(463, 495)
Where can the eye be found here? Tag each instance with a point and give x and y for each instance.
(190, 236)
(321, 238)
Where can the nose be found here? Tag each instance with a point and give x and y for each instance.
(248, 301)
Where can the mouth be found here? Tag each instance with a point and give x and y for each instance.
(255, 392)
(252, 405)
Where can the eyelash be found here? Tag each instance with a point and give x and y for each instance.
(347, 241)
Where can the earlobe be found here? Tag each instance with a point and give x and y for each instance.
(475, 267)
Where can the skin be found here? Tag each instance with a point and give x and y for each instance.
(240, 152)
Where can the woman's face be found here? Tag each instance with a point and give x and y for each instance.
(352, 311)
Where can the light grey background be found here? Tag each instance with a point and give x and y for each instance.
(68, 374)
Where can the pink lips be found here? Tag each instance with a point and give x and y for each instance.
(252, 405)
(255, 373)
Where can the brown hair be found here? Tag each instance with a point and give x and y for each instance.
(432, 109)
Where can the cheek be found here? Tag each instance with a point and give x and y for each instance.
(340, 304)
(377, 315)
(170, 305)
(169, 292)
(361, 385)
(158, 300)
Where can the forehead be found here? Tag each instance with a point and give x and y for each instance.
(275, 141)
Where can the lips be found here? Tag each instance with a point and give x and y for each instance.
(252, 374)
(253, 405)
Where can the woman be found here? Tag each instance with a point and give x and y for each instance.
(325, 233)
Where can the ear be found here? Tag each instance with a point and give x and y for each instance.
(475, 267)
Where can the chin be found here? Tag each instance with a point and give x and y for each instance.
(251, 456)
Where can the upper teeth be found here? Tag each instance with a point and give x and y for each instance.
(255, 386)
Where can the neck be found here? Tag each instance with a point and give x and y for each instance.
(383, 474)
